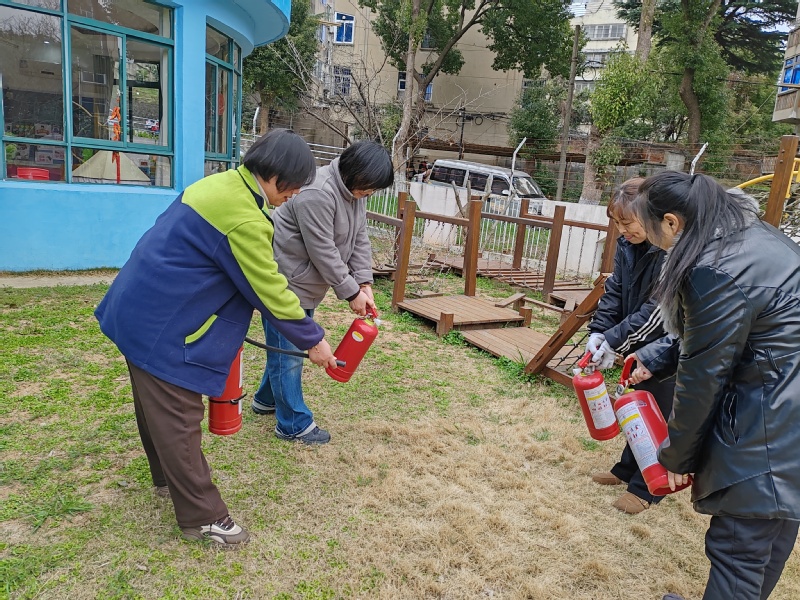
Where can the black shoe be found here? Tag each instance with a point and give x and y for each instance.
(224, 532)
(262, 409)
(162, 491)
(316, 436)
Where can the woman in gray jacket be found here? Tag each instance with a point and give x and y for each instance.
(730, 294)
(321, 243)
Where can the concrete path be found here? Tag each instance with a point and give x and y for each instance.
(27, 280)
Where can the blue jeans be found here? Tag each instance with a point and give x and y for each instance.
(282, 386)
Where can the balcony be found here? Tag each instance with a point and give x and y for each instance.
(786, 107)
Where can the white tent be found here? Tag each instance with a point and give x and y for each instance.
(102, 168)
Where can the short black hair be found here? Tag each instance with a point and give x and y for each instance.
(366, 165)
(283, 154)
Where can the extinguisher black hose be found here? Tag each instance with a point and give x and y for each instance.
(263, 346)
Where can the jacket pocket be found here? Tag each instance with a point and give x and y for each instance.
(728, 427)
(214, 345)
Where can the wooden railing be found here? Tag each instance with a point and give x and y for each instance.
(407, 214)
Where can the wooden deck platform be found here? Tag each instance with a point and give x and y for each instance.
(461, 312)
(502, 271)
(520, 344)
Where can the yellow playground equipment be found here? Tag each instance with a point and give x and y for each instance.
(764, 178)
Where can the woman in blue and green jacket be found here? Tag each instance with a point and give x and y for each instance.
(181, 306)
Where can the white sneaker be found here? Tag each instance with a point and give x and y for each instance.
(224, 531)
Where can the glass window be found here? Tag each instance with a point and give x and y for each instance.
(106, 116)
(211, 120)
(133, 14)
(223, 96)
(344, 28)
(125, 168)
(215, 166)
(499, 185)
(218, 136)
(147, 66)
(36, 162)
(429, 92)
(401, 81)
(96, 101)
(448, 175)
(49, 4)
(611, 31)
(31, 74)
(341, 81)
(477, 181)
(217, 45)
(525, 186)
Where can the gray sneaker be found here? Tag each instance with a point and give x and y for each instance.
(224, 532)
(316, 436)
(162, 491)
(262, 409)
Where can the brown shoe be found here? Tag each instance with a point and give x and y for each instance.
(607, 478)
(630, 504)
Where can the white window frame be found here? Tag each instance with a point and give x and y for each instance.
(596, 59)
(346, 24)
(606, 31)
(401, 81)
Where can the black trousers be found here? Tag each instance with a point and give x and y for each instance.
(747, 556)
(627, 469)
(169, 420)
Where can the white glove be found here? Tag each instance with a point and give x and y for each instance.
(604, 357)
(595, 341)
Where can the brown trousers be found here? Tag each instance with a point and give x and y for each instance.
(169, 420)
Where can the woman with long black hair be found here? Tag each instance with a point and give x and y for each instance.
(730, 294)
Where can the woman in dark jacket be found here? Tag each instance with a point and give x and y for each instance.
(730, 293)
(626, 319)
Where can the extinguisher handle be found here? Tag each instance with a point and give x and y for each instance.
(372, 313)
(584, 361)
(626, 370)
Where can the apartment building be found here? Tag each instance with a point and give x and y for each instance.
(470, 108)
(788, 98)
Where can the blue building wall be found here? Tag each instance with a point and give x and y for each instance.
(58, 226)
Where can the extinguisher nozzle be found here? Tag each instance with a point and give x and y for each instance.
(341, 363)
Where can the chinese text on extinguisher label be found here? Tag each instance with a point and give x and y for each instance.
(600, 406)
(637, 434)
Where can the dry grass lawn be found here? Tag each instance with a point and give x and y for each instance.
(448, 476)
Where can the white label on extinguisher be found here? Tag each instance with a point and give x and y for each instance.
(600, 406)
(637, 434)
(357, 336)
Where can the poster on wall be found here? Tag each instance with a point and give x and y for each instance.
(44, 156)
(23, 152)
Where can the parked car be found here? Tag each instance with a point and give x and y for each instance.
(504, 198)
(152, 125)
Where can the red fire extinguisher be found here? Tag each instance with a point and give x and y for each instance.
(354, 346)
(595, 401)
(225, 411)
(645, 428)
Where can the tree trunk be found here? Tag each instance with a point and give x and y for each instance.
(645, 40)
(689, 98)
(592, 189)
(400, 143)
(263, 119)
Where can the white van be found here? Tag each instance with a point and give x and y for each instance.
(503, 198)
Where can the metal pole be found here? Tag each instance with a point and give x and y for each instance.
(562, 162)
(463, 117)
